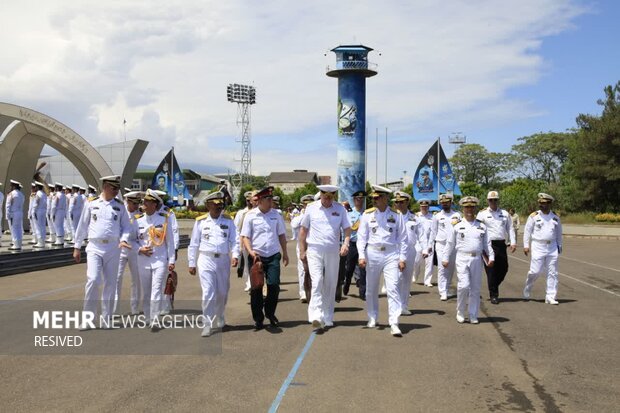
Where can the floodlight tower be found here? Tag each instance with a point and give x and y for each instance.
(352, 69)
(243, 96)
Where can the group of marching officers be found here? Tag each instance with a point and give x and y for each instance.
(53, 208)
(334, 243)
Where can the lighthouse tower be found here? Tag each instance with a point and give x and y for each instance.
(352, 69)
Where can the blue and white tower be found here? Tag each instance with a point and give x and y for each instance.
(352, 69)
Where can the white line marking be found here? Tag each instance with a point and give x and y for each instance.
(29, 297)
(575, 279)
(590, 263)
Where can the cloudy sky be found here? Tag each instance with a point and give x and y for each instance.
(493, 70)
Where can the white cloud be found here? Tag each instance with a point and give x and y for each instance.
(165, 65)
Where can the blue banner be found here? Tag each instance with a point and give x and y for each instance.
(168, 177)
(433, 176)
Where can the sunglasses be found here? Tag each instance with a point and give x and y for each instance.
(376, 197)
(399, 202)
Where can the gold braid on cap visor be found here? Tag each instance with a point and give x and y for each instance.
(158, 236)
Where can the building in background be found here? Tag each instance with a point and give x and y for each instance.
(122, 158)
(288, 182)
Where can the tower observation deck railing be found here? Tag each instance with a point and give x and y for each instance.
(353, 65)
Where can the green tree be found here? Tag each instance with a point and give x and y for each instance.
(541, 156)
(472, 189)
(522, 195)
(595, 155)
(240, 204)
(473, 163)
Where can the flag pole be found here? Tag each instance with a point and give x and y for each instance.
(171, 171)
(438, 166)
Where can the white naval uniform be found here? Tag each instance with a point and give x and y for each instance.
(440, 231)
(498, 223)
(212, 242)
(76, 210)
(323, 226)
(106, 224)
(129, 257)
(382, 242)
(425, 223)
(15, 216)
(50, 220)
(544, 231)
(31, 220)
(416, 240)
(295, 227)
(239, 219)
(68, 226)
(59, 205)
(468, 240)
(154, 269)
(174, 226)
(39, 212)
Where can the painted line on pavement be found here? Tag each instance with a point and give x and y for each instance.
(590, 263)
(42, 293)
(574, 279)
(291, 375)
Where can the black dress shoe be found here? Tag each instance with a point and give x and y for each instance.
(258, 326)
(274, 322)
(494, 300)
(345, 289)
(363, 297)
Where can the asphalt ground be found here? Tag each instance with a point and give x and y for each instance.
(523, 356)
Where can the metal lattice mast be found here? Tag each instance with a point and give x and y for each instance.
(244, 116)
(244, 96)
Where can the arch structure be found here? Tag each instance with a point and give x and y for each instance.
(23, 134)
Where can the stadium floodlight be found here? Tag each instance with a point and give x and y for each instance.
(237, 93)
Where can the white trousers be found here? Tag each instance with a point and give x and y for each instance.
(323, 266)
(214, 276)
(246, 268)
(101, 269)
(428, 267)
(59, 224)
(40, 228)
(50, 225)
(300, 274)
(406, 278)
(544, 261)
(67, 226)
(33, 228)
(444, 275)
(386, 262)
(130, 258)
(16, 226)
(469, 276)
(153, 283)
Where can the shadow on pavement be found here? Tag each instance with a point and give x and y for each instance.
(438, 312)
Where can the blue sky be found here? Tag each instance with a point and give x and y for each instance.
(492, 70)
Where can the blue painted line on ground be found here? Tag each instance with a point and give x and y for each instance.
(291, 375)
(30, 297)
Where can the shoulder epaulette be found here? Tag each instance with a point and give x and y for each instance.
(163, 214)
(200, 218)
(455, 221)
(225, 215)
(533, 214)
(393, 210)
(117, 200)
(479, 220)
(166, 208)
(138, 216)
(92, 198)
(370, 210)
